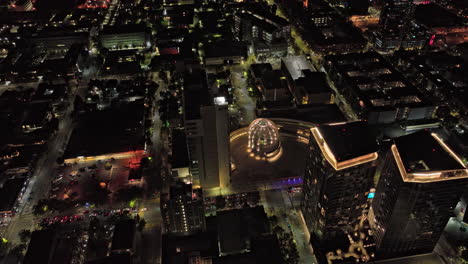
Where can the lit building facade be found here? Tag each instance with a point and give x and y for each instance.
(420, 183)
(207, 132)
(376, 91)
(396, 27)
(340, 167)
(183, 211)
(249, 25)
(125, 37)
(396, 14)
(264, 141)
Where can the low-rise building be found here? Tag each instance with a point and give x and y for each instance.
(125, 37)
(307, 85)
(237, 228)
(274, 87)
(36, 116)
(111, 131)
(121, 64)
(376, 91)
(441, 75)
(58, 41)
(224, 53)
(11, 190)
(124, 237)
(54, 246)
(313, 88)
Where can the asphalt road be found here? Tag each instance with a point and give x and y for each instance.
(39, 184)
(151, 253)
(245, 103)
(277, 202)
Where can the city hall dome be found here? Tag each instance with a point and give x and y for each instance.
(263, 138)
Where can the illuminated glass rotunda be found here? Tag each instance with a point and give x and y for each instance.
(264, 140)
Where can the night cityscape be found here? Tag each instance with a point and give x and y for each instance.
(233, 131)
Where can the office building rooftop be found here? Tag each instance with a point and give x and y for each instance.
(349, 140)
(346, 145)
(424, 157)
(375, 81)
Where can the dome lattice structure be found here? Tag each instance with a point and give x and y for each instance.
(264, 140)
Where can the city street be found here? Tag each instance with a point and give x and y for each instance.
(39, 184)
(152, 231)
(151, 235)
(277, 202)
(246, 105)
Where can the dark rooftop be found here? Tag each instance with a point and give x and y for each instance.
(432, 15)
(36, 113)
(123, 29)
(123, 235)
(259, 68)
(349, 140)
(272, 80)
(339, 33)
(113, 130)
(314, 82)
(179, 249)
(316, 114)
(63, 252)
(121, 62)
(237, 227)
(113, 259)
(49, 92)
(180, 188)
(267, 250)
(60, 32)
(430, 258)
(265, 13)
(421, 152)
(179, 157)
(225, 49)
(40, 247)
(171, 34)
(263, 24)
(196, 93)
(9, 192)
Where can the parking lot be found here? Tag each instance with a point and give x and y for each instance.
(93, 181)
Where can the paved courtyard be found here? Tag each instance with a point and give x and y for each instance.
(251, 174)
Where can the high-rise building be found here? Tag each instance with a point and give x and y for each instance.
(396, 14)
(206, 128)
(395, 24)
(420, 183)
(250, 26)
(340, 167)
(183, 210)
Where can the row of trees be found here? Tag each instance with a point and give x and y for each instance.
(287, 245)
